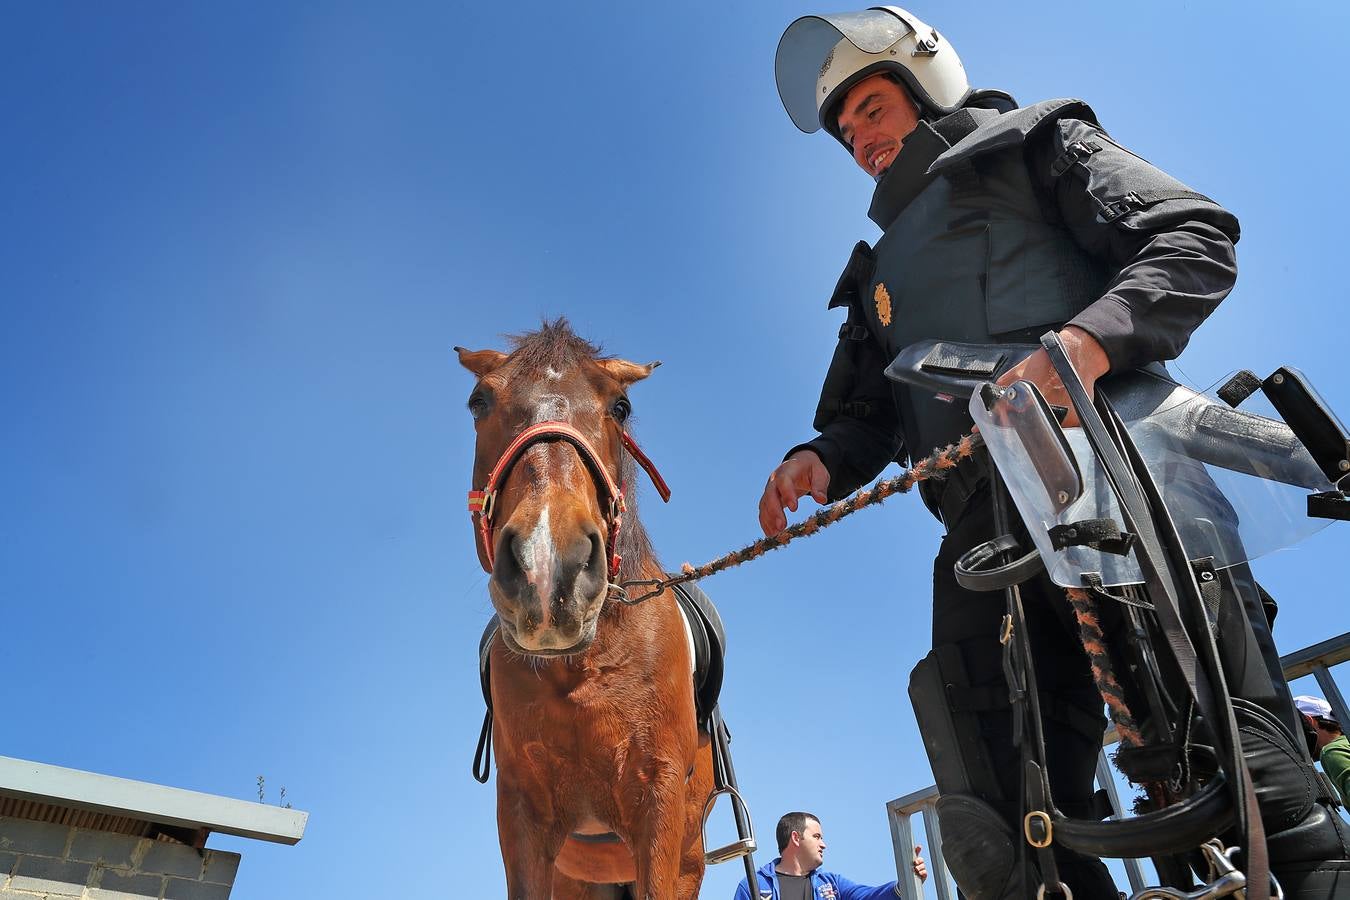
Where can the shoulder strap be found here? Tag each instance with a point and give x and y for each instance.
(997, 131)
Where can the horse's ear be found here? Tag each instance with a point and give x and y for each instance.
(625, 372)
(480, 362)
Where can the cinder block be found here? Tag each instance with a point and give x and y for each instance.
(180, 889)
(24, 836)
(221, 867)
(173, 859)
(121, 886)
(99, 846)
(55, 877)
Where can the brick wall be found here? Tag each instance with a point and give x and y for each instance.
(41, 860)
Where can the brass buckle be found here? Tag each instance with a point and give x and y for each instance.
(1044, 819)
(1005, 633)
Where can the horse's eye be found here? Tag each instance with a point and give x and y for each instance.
(478, 406)
(621, 410)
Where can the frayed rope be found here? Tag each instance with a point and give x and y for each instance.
(1085, 610)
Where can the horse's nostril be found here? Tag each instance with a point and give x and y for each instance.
(597, 558)
(510, 564)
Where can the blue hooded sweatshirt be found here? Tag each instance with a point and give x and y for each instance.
(825, 886)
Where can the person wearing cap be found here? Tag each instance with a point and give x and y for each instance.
(1329, 743)
(1000, 223)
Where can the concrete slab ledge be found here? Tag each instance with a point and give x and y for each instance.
(153, 802)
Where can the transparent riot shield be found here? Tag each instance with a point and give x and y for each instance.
(1235, 480)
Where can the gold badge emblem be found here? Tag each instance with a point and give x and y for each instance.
(883, 299)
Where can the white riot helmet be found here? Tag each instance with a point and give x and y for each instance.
(820, 58)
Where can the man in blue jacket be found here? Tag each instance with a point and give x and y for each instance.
(796, 873)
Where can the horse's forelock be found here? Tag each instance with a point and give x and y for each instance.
(555, 345)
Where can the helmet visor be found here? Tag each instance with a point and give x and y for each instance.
(806, 45)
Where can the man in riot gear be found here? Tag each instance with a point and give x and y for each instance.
(1001, 223)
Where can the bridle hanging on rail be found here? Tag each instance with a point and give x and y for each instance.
(483, 503)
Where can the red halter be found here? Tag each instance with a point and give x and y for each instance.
(482, 502)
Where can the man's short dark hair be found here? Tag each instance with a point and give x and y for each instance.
(1329, 724)
(793, 821)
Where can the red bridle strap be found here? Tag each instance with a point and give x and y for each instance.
(482, 502)
(647, 466)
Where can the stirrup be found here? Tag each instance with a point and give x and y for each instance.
(744, 845)
(1228, 880)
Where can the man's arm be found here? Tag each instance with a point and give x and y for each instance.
(1171, 249)
(859, 431)
(856, 416)
(1336, 763)
(848, 890)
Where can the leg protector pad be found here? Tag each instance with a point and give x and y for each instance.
(951, 736)
(979, 845)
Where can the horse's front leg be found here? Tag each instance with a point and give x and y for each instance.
(696, 792)
(530, 839)
(658, 832)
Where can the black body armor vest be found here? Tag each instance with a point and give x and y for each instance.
(971, 252)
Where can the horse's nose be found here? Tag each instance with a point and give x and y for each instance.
(544, 576)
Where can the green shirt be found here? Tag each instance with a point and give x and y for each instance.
(1336, 763)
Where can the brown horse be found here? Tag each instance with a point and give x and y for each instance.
(594, 711)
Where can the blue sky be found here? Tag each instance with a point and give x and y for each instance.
(240, 240)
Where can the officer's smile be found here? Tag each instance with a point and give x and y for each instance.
(880, 159)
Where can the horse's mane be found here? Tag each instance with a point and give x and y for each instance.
(556, 346)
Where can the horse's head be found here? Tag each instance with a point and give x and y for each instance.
(549, 461)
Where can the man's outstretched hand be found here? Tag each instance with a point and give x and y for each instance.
(800, 474)
(920, 867)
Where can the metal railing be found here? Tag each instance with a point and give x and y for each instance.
(1316, 660)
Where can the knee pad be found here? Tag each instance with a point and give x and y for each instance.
(950, 729)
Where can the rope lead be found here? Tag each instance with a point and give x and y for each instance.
(931, 467)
